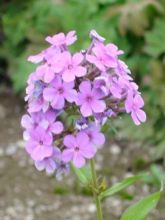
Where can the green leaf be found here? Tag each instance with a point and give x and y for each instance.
(140, 210)
(20, 70)
(155, 37)
(83, 174)
(120, 186)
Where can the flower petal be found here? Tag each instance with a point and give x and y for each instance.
(57, 127)
(78, 160)
(67, 155)
(141, 115)
(86, 110)
(98, 106)
(70, 141)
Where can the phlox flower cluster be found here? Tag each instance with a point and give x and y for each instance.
(88, 87)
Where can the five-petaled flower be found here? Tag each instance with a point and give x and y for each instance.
(133, 105)
(59, 92)
(39, 146)
(89, 100)
(72, 66)
(78, 148)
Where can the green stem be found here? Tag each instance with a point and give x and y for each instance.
(95, 188)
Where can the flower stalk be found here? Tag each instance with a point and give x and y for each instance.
(95, 190)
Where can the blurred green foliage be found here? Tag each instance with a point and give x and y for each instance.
(136, 26)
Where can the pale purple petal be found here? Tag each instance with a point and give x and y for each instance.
(71, 95)
(86, 110)
(67, 58)
(141, 115)
(138, 101)
(68, 76)
(98, 106)
(80, 71)
(70, 141)
(48, 76)
(82, 139)
(57, 127)
(40, 152)
(78, 160)
(67, 155)
(99, 140)
(88, 151)
(50, 166)
(58, 103)
(85, 87)
(77, 58)
(36, 58)
(71, 37)
(26, 122)
(135, 118)
(40, 165)
(49, 94)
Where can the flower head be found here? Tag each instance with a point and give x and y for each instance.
(71, 96)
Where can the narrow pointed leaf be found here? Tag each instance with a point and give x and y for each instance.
(140, 210)
(120, 186)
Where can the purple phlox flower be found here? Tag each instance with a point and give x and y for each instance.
(30, 88)
(30, 122)
(112, 50)
(46, 72)
(122, 70)
(81, 123)
(38, 88)
(27, 122)
(94, 35)
(52, 53)
(44, 55)
(37, 105)
(101, 58)
(100, 84)
(96, 138)
(89, 100)
(62, 40)
(50, 124)
(127, 85)
(62, 169)
(39, 146)
(72, 66)
(133, 105)
(49, 163)
(56, 63)
(36, 58)
(101, 118)
(78, 148)
(59, 92)
(115, 87)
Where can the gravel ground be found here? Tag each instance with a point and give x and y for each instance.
(26, 194)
